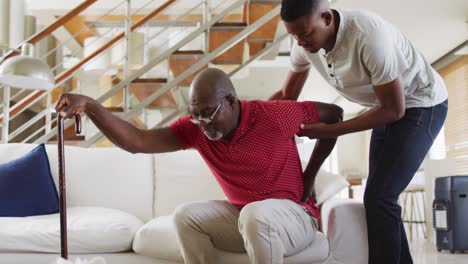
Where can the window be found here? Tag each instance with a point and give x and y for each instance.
(455, 76)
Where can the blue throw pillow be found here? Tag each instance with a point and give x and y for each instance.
(27, 187)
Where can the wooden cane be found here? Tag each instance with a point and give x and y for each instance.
(62, 186)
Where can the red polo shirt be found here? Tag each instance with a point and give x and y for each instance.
(261, 161)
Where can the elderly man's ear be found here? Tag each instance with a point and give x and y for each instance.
(231, 99)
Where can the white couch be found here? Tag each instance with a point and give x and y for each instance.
(120, 207)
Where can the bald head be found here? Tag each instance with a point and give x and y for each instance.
(210, 84)
(214, 103)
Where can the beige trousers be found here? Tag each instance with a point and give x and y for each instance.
(267, 230)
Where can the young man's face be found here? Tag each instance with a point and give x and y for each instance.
(311, 31)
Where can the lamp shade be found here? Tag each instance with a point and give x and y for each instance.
(26, 72)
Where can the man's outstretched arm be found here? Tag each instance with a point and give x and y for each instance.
(328, 114)
(120, 132)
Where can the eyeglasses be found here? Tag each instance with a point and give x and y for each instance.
(206, 120)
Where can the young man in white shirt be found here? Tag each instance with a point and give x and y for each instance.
(370, 62)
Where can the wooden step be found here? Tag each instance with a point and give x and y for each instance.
(187, 52)
(180, 61)
(142, 88)
(106, 83)
(257, 40)
(150, 81)
(221, 33)
(79, 29)
(228, 25)
(115, 109)
(227, 68)
(68, 138)
(136, 121)
(104, 143)
(255, 47)
(69, 134)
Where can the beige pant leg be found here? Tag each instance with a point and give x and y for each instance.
(273, 229)
(203, 226)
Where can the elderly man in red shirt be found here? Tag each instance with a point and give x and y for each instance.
(250, 148)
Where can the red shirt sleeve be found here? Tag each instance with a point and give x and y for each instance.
(290, 115)
(185, 131)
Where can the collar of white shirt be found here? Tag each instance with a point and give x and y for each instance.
(340, 33)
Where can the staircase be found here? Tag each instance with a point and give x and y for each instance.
(231, 41)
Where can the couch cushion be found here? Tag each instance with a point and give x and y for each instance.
(101, 177)
(27, 187)
(157, 239)
(328, 184)
(181, 177)
(90, 230)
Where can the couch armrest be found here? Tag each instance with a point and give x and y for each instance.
(344, 223)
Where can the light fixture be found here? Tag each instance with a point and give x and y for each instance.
(27, 72)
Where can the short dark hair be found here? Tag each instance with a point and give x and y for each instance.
(294, 9)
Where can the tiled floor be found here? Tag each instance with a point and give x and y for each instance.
(424, 252)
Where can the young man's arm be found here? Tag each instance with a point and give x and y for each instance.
(297, 76)
(328, 114)
(386, 63)
(391, 108)
(292, 87)
(120, 132)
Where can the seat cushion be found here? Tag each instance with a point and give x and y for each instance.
(157, 239)
(90, 230)
(27, 187)
(327, 185)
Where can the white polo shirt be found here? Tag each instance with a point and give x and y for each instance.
(370, 51)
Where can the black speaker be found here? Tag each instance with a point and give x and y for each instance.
(450, 213)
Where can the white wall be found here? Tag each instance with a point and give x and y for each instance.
(433, 26)
(267, 77)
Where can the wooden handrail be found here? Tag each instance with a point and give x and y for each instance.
(48, 30)
(111, 42)
(64, 75)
